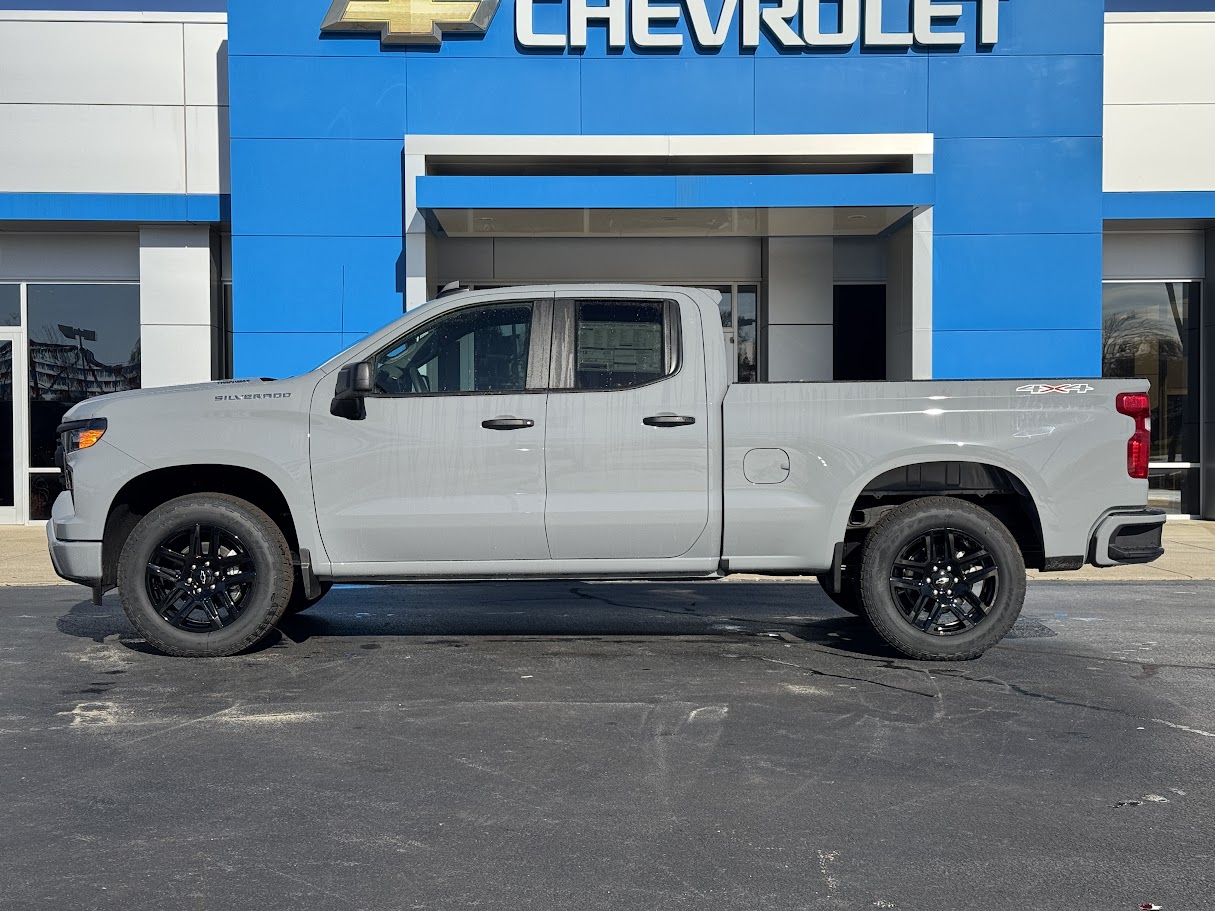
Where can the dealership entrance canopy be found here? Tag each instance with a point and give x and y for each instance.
(878, 189)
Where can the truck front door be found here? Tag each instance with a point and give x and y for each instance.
(448, 464)
(627, 448)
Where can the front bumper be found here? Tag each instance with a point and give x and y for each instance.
(1130, 536)
(76, 561)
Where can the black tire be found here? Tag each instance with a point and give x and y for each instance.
(941, 579)
(299, 601)
(848, 596)
(219, 570)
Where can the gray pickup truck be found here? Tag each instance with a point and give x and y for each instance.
(590, 432)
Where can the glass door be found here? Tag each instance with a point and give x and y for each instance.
(740, 324)
(1153, 330)
(9, 448)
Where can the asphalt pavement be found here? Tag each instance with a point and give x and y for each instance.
(525, 747)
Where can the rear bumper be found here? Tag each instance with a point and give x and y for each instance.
(1130, 536)
(76, 561)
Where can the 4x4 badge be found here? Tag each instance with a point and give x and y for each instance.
(1065, 389)
(410, 21)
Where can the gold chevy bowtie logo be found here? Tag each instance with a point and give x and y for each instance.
(410, 21)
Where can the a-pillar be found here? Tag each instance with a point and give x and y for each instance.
(178, 295)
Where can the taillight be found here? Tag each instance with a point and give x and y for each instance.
(1137, 405)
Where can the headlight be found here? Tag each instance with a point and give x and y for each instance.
(82, 434)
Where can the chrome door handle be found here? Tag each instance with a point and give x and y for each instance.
(508, 423)
(669, 420)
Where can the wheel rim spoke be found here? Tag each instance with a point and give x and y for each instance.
(199, 577)
(944, 582)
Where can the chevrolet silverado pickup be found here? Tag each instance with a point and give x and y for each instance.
(590, 432)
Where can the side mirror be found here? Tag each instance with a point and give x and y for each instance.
(354, 381)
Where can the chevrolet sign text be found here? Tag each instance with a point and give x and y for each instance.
(789, 24)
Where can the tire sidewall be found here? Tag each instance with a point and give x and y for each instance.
(263, 605)
(902, 526)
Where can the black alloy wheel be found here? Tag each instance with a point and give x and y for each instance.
(206, 575)
(942, 579)
(198, 578)
(945, 582)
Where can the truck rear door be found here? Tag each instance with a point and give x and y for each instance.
(627, 443)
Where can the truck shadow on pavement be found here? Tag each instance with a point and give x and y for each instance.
(447, 613)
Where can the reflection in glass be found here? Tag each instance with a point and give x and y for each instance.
(10, 305)
(619, 344)
(748, 323)
(477, 350)
(726, 306)
(7, 453)
(44, 489)
(1174, 490)
(1152, 330)
(84, 342)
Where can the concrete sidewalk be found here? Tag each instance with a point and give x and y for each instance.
(1189, 554)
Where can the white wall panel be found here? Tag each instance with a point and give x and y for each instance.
(707, 260)
(461, 259)
(177, 293)
(860, 259)
(62, 256)
(801, 353)
(1161, 255)
(207, 158)
(91, 63)
(1164, 148)
(800, 280)
(1159, 102)
(175, 355)
(206, 64)
(1160, 62)
(91, 149)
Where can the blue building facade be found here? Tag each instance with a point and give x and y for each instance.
(318, 122)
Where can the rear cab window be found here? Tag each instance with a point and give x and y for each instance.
(615, 343)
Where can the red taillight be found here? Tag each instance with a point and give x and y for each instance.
(1137, 405)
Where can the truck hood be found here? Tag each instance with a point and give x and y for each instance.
(178, 398)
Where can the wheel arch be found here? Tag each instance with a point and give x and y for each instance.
(1000, 490)
(143, 493)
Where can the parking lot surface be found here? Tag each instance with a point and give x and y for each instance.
(611, 746)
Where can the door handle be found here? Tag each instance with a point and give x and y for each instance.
(668, 420)
(508, 423)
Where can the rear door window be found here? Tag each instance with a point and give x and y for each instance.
(622, 344)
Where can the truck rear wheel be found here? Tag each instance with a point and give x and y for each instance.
(205, 576)
(941, 579)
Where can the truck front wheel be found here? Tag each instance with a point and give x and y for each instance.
(941, 579)
(205, 576)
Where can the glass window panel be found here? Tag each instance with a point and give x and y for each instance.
(1175, 490)
(748, 320)
(484, 349)
(84, 342)
(620, 344)
(726, 307)
(10, 305)
(8, 454)
(1151, 330)
(44, 490)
